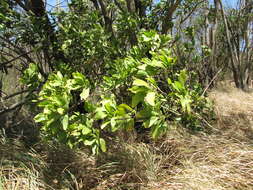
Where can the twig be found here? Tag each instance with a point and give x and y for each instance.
(15, 94)
(215, 76)
(15, 58)
(14, 106)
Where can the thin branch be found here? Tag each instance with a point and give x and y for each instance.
(15, 94)
(9, 61)
(191, 12)
(14, 106)
(215, 76)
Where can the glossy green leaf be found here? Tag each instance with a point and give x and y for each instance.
(105, 124)
(139, 82)
(113, 122)
(100, 113)
(137, 98)
(40, 118)
(150, 98)
(86, 130)
(88, 142)
(156, 63)
(169, 81)
(102, 144)
(186, 104)
(158, 130)
(126, 107)
(60, 111)
(153, 121)
(137, 89)
(144, 113)
(85, 93)
(65, 122)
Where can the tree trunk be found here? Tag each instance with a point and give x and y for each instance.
(167, 21)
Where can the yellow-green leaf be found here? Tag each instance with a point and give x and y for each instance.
(65, 122)
(102, 144)
(139, 82)
(60, 111)
(150, 98)
(85, 94)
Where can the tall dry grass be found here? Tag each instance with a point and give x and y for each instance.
(219, 160)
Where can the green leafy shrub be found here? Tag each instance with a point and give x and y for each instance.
(146, 87)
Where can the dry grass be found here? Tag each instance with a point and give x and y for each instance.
(20, 168)
(234, 109)
(213, 162)
(224, 159)
(220, 160)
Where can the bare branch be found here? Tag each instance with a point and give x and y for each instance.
(9, 61)
(15, 94)
(14, 106)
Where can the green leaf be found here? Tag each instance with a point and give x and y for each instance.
(182, 76)
(168, 61)
(139, 82)
(178, 86)
(186, 104)
(60, 111)
(169, 81)
(109, 107)
(89, 142)
(59, 75)
(137, 98)
(75, 133)
(65, 122)
(79, 81)
(89, 107)
(100, 113)
(126, 107)
(60, 100)
(129, 126)
(152, 80)
(152, 121)
(158, 130)
(105, 124)
(78, 76)
(102, 144)
(120, 111)
(85, 93)
(136, 89)
(144, 114)
(86, 130)
(44, 103)
(113, 122)
(95, 149)
(150, 98)
(143, 67)
(141, 73)
(40, 118)
(156, 63)
(70, 144)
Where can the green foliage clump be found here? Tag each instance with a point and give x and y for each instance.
(145, 87)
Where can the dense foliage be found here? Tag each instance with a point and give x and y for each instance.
(146, 87)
